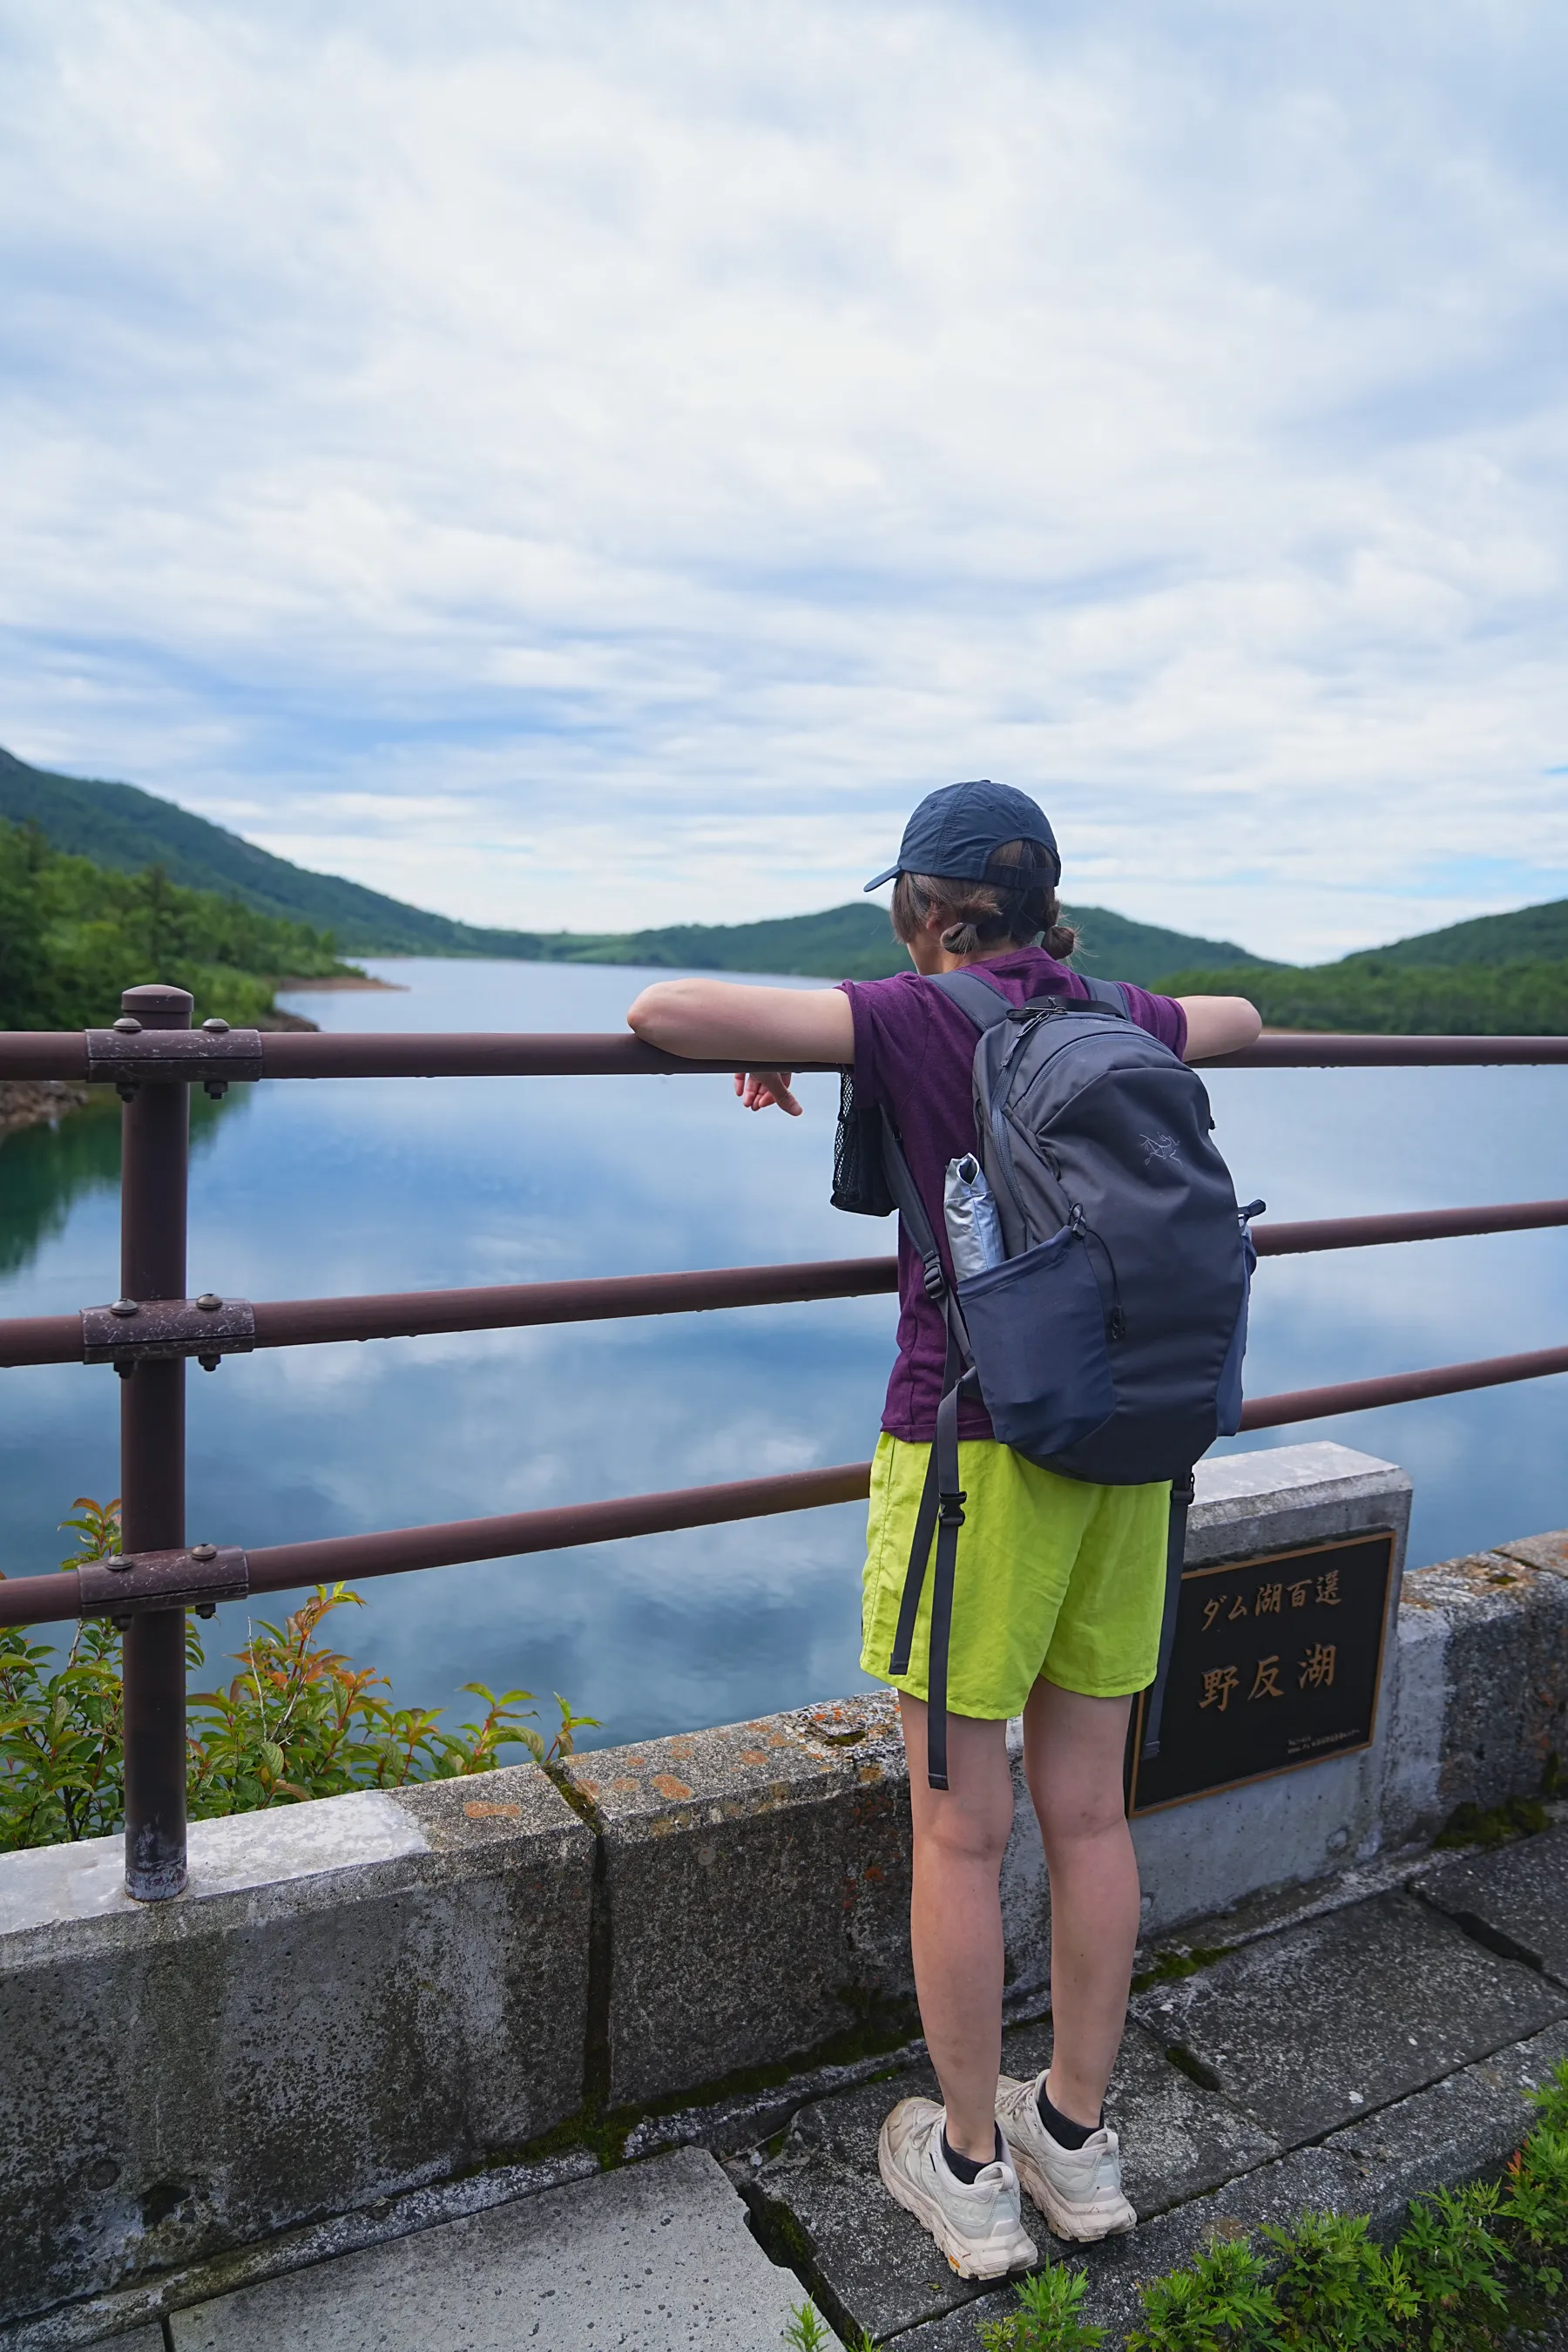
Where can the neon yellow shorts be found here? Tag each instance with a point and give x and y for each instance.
(1054, 1578)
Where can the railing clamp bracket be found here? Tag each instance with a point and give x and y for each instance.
(149, 1330)
(132, 1583)
(213, 1056)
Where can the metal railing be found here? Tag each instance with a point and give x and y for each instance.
(154, 1057)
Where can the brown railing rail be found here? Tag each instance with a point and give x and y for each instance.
(154, 1057)
(487, 1054)
(506, 1307)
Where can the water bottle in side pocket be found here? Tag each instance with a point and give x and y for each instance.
(973, 1226)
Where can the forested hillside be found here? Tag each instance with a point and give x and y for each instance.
(73, 934)
(1377, 995)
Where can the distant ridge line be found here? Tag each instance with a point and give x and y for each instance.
(121, 825)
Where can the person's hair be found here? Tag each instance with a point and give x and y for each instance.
(988, 915)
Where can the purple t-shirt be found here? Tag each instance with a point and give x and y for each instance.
(914, 1052)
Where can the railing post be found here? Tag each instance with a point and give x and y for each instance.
(155, 1140)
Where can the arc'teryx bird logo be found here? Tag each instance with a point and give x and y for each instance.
(1159, 1147)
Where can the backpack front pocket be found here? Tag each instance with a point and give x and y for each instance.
(1036, 1327)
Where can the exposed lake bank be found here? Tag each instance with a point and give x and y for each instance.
(39, 1102)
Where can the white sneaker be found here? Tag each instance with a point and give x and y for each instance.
(978, 2227)
(1078, 2190)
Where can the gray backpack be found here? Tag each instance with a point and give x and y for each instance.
(1108, 1344)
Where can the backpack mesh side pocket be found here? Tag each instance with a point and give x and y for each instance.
(859, 1181)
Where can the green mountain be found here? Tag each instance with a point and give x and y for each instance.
(119, 826)
(116, 826)
(857, 942)
(1531, 934)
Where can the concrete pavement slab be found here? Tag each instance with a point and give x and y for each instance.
(872, 2265)
(654, 2258)
(1515, 1899)
(1308, 2031)
(1177, 2138)
(1463, 2128)
(138, 2339)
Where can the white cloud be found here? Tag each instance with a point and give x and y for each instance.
(588, 466)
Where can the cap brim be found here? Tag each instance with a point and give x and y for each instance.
(878, 880)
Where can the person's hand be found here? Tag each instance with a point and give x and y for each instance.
(762, 1089)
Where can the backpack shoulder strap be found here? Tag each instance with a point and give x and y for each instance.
(913, 1210)
(1110, 995)
(979, 998)
(941, 1511)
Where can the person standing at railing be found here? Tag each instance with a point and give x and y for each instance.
(1061, 1583)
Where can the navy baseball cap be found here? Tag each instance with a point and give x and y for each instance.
(957, 831)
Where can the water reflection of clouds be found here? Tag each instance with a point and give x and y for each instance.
(327, 1188)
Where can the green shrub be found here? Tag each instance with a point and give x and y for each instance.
(73, 935)
(297, 1721)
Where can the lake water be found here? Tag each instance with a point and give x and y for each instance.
(366, 1185)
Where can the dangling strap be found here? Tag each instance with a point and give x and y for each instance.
(1182, 1491)
(951, 1499)
(942, 1498)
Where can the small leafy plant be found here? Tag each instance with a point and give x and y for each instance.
(807, 2331)
(1048, 2317)
(1222, 2299)
(62, 1732)
(298, 1720)
(1453, 2260)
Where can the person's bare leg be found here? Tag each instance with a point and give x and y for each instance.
(1073, 1751)
(955, 1916)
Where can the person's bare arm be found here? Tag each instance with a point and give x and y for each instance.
(1218, 1025)
(769, 1031)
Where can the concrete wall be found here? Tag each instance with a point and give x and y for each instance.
(373, 1992)
(354, 1996)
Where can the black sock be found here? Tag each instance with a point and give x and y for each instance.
(963, 2167)
(1062, 2128)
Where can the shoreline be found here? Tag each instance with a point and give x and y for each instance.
(39, 1102)
(335, 982)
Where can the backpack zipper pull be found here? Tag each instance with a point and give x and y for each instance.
(1116, 1322)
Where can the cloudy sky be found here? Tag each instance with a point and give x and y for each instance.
(596, 465)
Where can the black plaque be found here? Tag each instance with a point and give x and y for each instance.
(1276, 1665)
